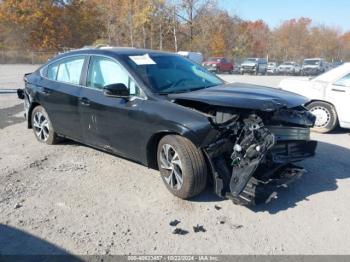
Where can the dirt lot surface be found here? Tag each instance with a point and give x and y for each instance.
(70, 198)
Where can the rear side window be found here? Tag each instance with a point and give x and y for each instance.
(67, 70)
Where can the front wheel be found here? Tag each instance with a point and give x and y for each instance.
(326, 116)
(182, 166)
(42, 126)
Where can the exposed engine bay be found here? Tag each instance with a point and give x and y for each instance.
(253, 152)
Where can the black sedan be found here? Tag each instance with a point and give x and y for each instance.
(167, 113)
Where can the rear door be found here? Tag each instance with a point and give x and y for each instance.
(61, 88)
(110, 123)
(338, 93)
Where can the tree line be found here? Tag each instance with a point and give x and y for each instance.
(171, 25)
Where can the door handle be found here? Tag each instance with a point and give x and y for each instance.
(338, 90)
(84, 101)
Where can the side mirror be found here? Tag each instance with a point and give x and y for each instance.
(116, 90)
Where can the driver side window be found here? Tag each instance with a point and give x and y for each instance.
(103, 71)
(344, 81)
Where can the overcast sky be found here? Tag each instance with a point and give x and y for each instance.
(334, 13)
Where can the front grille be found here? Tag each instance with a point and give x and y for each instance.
(286, 152)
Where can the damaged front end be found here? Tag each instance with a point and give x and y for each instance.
(253, 152)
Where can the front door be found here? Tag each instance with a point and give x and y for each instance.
(338, 93)
(110, 123)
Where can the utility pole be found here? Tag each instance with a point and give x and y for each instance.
(174, 29)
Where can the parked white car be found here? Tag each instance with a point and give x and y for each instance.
(272, 68)
(194, 56)
(289, 68)
(329, 94)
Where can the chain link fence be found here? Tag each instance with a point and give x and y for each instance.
(25, 57)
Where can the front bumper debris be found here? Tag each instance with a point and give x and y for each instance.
(261, 159)
(258, 191)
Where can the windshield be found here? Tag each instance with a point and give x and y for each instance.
(287, 63)
(249, 60)
(166, 74)
(311, 62)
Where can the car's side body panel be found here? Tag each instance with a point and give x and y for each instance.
(124, 127)
(339, 96)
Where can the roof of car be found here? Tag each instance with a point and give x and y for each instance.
(315, 58)
(115, 50)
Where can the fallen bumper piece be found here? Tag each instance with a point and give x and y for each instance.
(258, 191)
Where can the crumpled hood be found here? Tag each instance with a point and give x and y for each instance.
(245, 96)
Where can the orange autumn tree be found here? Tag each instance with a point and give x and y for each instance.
(218, 46)
(259, 34)
(48, 24)
(345, 46)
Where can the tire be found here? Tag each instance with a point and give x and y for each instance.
(326, 116)
(192, 166)
(42, 126)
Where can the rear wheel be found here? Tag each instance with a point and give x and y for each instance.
(326, 116)
(42, 126)
(182, 166)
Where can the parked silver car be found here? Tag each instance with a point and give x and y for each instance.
(289, 68)
(254, 66)
(272, 68)
(314, 66)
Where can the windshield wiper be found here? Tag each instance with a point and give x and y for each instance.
(185, 90)
(199, 88)
(172, 92)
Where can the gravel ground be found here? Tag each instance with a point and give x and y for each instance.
(70, 198)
